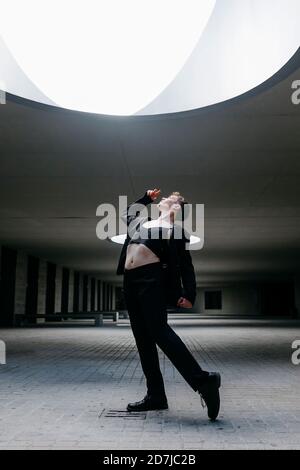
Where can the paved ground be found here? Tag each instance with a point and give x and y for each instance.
(65, 387)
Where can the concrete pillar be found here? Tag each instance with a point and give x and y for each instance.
(105, 296)
(89, 294)
(113, 304)
(101, 295)
(93, 294)
(42, 285)
(98, 294)
(71, 291)
(21, 283)
(108, 297)
(80, 292)
(58, 289)
(107, 305)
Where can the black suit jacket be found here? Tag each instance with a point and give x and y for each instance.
(179, 269)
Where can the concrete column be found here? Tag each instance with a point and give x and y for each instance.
(89, 294)
(113, 304)
(102, 296)
(100, 302)
(21, 283)
(58, 289)
(108, 296)
(71, 291)
(80, 292)
(93, 294)
(42, 284)
(98, 294)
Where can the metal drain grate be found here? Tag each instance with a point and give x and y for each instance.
(122, 414)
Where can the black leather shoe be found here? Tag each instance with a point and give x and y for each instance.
(148, 403)
(209, 393)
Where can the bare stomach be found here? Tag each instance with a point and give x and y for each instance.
(138, 255)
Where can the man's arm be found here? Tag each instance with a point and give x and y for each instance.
(134, 209)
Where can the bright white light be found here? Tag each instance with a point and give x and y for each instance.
(122, 237)
(102, 56)
(245, 43)
(125, 57)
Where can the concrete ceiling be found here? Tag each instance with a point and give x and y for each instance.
(241, 159)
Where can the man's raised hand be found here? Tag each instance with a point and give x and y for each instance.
(153, 193)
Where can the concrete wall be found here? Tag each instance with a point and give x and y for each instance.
(237, 299)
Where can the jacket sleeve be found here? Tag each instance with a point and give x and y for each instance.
(134, 209)
(187, 272)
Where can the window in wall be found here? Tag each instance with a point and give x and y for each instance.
(213, 300)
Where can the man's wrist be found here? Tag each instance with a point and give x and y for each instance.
(148, 195)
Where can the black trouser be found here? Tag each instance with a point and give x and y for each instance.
(145, 300)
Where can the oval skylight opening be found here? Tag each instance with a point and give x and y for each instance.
(135, 57)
